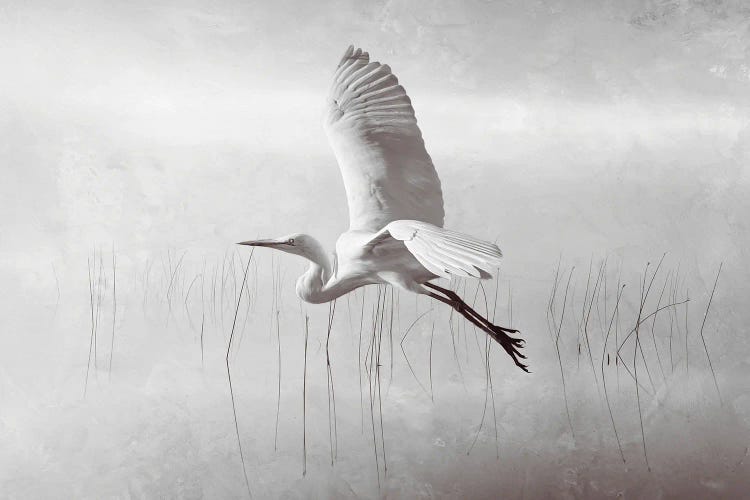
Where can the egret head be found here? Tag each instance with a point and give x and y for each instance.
(296, 243)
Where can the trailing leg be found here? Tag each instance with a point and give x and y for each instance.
(498, 333)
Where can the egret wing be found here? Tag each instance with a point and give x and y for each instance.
(441, 251)
(371, 126)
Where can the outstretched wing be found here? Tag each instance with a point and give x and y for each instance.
(371, 126)
(441, 251)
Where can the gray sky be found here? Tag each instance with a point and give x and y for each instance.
(126, 120)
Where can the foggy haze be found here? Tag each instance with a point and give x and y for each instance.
(570, 132)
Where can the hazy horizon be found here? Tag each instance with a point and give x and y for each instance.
(569, 132)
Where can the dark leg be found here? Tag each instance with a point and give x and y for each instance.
(498, 333)
(454, 297)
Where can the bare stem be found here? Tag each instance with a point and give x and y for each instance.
(229, 377)
(710, 365)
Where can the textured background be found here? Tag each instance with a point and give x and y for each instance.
(571, 131)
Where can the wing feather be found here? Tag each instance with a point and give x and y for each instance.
(455, 263)
(370, 123)
(401, 99)
(371, 78)
(443, 252)
(351, 83)
(422, 254)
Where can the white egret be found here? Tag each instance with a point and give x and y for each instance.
(396, 233)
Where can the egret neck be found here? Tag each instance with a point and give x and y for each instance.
(319, 284)
(310, 285)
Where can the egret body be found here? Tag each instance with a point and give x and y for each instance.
(396, 233)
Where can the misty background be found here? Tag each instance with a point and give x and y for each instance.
(572, 132)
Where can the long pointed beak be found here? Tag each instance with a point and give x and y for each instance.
(260, 243)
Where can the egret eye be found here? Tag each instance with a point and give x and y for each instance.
(291, 241)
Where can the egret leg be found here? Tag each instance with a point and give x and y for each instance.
(456, 298)
(498, 333)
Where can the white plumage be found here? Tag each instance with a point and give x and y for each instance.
(371, 126)
(395, 203)
(443, 252)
